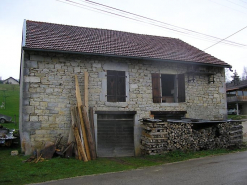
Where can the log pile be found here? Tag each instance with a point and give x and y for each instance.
(161, 137)
(154, 138)
(236, 134)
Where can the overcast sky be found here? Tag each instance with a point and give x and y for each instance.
(219, 18)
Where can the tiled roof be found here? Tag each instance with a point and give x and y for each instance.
(48, 36)
(240, 85)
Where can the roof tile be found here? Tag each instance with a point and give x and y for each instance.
(57, 37)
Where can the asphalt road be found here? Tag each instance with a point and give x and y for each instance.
(230, 169)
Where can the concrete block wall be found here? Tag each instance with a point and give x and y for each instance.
(48, 92)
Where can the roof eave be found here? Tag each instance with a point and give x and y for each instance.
(130, 57)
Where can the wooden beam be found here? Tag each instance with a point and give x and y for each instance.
(79, 143)
(79, 104)
(89, 133)
(86, 90)
(91, 121)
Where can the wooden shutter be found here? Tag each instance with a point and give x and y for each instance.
(111, 86)
(116, 86)
(156, 88)
(121, 91)
(181, 88)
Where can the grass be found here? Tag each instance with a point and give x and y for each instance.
(237, 117)
(12, 103)
(15, 171)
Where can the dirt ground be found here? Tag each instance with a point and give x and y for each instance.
(244, 130)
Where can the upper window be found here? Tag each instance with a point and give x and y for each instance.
(116, 86)
(168, 88)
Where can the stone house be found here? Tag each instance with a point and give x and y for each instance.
(131, 76)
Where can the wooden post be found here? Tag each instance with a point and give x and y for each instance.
(80, 148)
(89, 133)
(91, 121)
(71, 138)
(79, 103)
(86, 90)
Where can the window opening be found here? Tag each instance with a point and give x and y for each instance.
(168, 86)
(116, 86)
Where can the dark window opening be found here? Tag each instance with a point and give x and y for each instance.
(116, 85)
(168, 88)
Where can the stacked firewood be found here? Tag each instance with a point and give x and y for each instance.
(236, 133)
(154, 138)
(169, 136)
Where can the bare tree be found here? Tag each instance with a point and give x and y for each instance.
(244, 74)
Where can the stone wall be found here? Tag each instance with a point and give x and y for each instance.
(48, 92)
(178, 135)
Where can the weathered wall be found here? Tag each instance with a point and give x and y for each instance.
(48, 92)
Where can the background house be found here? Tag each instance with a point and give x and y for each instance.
(131, 76)
(237, 96)
(10, 80)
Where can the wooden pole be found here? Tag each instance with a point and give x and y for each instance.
(81, 151)
(89, 133)
(80, 148)
(71, 138)
(79, 103)
(91, 121)
(86, 90)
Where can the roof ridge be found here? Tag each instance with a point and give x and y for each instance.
(103, 29)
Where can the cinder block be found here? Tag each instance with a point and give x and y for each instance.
(14, 152)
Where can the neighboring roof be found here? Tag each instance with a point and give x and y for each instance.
(232, 86)
(73, 39)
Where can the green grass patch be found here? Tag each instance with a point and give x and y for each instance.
(10, 94)
(15, 171)
(237, 117)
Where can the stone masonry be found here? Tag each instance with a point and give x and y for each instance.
(48, 91)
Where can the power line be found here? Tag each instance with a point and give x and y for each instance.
(212, 37)
(128, 15)
(237, 4)
(228, 7)
(225, 38)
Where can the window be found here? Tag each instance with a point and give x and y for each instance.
(168, 88)
(116, 86)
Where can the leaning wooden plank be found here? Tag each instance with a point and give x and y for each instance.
(79, 103)
(73, 122)
(38, 158)
(89, 134)
(71, 139)
(81, 151)
(91, 121)
(86, 90)
(79, 144)
(78, 124)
